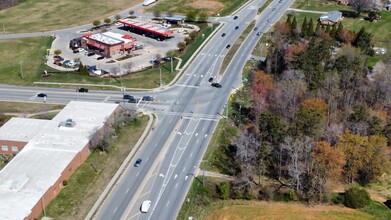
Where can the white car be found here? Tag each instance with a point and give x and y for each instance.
(145, 206)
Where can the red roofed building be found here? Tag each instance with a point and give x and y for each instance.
(153, 29)
(108, 44)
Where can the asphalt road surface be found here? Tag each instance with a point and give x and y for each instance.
(187, 114)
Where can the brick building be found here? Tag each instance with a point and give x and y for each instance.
(108, 44)
(53, 152)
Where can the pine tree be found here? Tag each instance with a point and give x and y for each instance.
(317, 29)
(294, 27)
(364, 41)
(333, 32)
(327, 29)
(289, 21)
(304, 28)
(310, 30)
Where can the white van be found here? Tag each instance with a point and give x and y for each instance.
(145, 206)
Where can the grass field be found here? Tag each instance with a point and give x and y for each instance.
(43, 15)
(212, 7)
(26, 108)
(85, 186)
(247, 210)
(319, 5)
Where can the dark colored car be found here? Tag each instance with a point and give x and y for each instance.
(210, 79)
(268, 20)
(82, 90)
(100, 58)
(236, 17)
(76, 51)
(138, 162)
(133, 100)
(41, 95)
(128, 97)
(217, 85)
(58, 58)
(90, 54)
(228, 46)
(256, 28)
(259, 34)
(237, 27)
(273, 9)
(147, 98)
(223, 35)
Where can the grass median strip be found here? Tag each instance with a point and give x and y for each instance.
(85, 185)
(231, 53)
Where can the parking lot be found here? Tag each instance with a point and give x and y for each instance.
(140, 59)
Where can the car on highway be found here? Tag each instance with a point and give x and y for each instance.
(236, 17)
(211, 79)
(256, 28)
(280, 1)
(41, 95)
(273, 9)
(133, 100)
(259, 33)
(82, 90)
(228, 46)
(147, 98)
(138, 162)
(223, 35)
(145, 206)
(217, 85)
(237, 27)
(268, 20)
(126, 96)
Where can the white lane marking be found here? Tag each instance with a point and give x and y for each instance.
(168, 203)
(196, 134)
(115, 210)
(175, 176)
(198, 140)
(161, 175)
(127, 191)
(176, 185)
(137, 173)
(206, 135)
(106, 99)
(186, 177)
(184, 168)
(191, 154)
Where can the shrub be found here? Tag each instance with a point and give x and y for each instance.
(337, 198)
(96, 23)
(266, 193)
(65, 182)
(356, 197)
(223, 189)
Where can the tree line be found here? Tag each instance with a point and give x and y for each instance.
(314, 113)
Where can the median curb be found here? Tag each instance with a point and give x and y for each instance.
(122, 168)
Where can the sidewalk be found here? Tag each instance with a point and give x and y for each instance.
(307, 11)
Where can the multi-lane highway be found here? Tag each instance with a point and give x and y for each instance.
(187, 113)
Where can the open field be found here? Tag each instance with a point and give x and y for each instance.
(211, 7)
(43, 15)
(231, 210)
(26, 108)
(319, 5)
(85, 186)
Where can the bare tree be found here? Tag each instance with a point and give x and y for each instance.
(362, 5)
(128, 67)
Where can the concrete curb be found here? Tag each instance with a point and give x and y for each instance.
(122, 168)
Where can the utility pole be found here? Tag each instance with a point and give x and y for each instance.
(3, 29)
(20, 67)
(160, 70)
(172, 65)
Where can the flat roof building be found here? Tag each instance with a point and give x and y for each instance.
(153, 29)
(53, 152)
(108, 43)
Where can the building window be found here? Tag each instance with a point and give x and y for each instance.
(14, 149)
(4, 147)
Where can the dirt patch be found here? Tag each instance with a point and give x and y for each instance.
(210, 5)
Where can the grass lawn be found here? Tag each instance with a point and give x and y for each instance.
(319, 5)
(212, 7)
(228, 210)
(26, 108)
(43, 15)
(85, 186)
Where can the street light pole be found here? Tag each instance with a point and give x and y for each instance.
(160, 70)
(172, 64)
(20, 67)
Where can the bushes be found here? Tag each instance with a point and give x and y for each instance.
(223, 189)
(356, 197)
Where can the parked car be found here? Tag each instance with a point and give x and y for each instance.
(138, 162)
(58, 58)
(145, 206)
(76, 50)
(70, 63)
(41, 95)
(89, 54)
(217, 85)
(100, 58)
(236, 17)
(82, 90)
(147, 98)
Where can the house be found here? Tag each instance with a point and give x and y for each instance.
(331, 18)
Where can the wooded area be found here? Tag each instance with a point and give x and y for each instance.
(8, 3)
(314, 113)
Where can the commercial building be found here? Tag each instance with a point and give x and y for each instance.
(146, 28)
(108, 44)
(54, 150)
